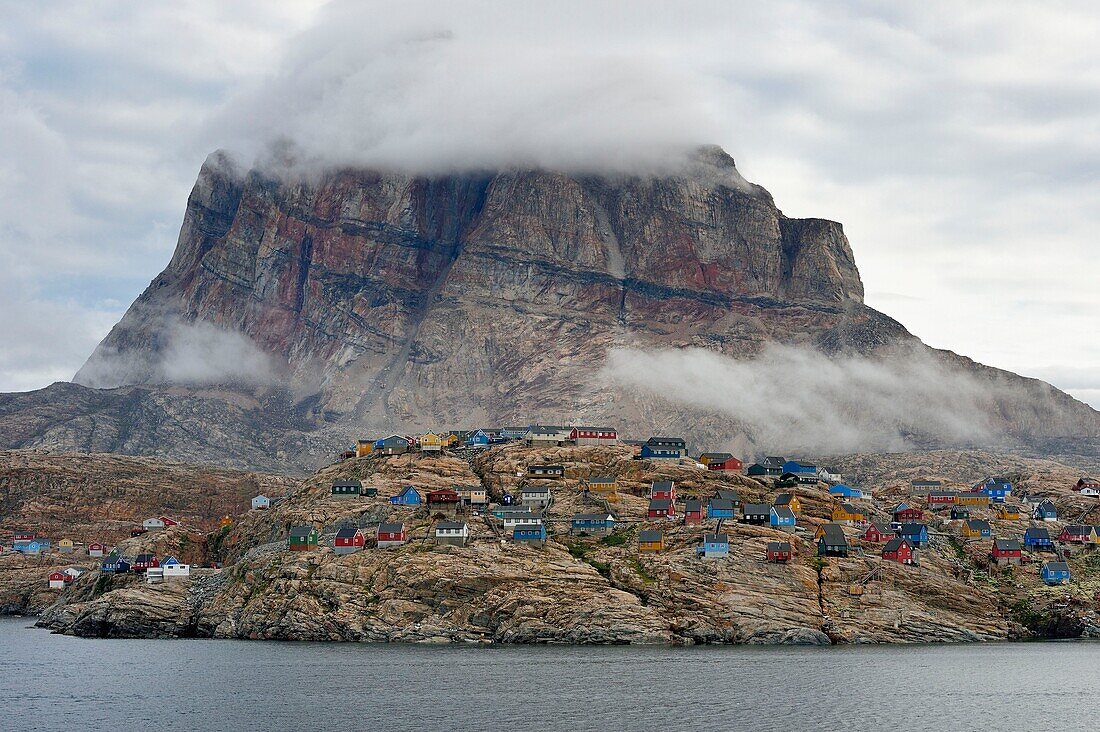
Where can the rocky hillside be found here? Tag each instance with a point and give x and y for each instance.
(585, 589)
(364, 302)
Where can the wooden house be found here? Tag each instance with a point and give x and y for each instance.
(778, 551)
(71, 573)
(513, 433)
(845, 491)
(899, 550)
(921, 487)
(453, 533)
(1046, 511)
(663, 489)
(728, 494)
(831, 541)
(302, 539)
(261, 503)
(915, 534)
(651, 541)
(443, 501)
(788, 500)
(602, 485)
(976, 529)
(998, 489)
(36, 547)
(409, 496)
(1087, 486)
(960, 513)
(877, 533)
(512, 519)
(472, 495)
(1008, 513)
(346, 489)
(114, 563)
(721, 462)
(390, 534)
(1055, 573)
(97, 549)
(720, 508)
(143, 562)
(594, 436)
(693, 511)
(169, 521)
(664, 448)
(547, 472)
(175, 570)
(530, 534)
(973, 499)
(782, 518)
(56, 580)
(363, 448)
(152, 524)
(848, 514)
(537, 496)
(829, 475)
(756, 513)
(714, 546)
(65, 546)
(1038, 537)
(154, 575)
(348, 540)
(392, 445)
(942, 499)
(903, 512)
(431, 442)
(547, 435)
(773, 465)
(1074, 534)
(595, 524)
(756, 470)
(661, 508)
(1006, 551)
(21, 538)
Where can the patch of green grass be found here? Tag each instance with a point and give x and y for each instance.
(615, 539)
(641, 571)
(1032, 619)
(578, 551)
(602, 567)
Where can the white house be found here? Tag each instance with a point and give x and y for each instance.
(175, 570)
(546, 435)
(535, 495)
(261, 503)
(512, 520)
(455, 533)
(57, 581)
(154, 575)
(151, 524)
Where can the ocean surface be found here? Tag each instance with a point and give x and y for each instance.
(54, 682)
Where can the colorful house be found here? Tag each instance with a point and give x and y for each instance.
(788, 500)
(845, 491)
(915, 534)
(65, 546)
(998, 489)
(1077, 535)
(302, 539)
(976, 529)
(756, 470)
(443, 500)
(96, 549)
(960, 513)
(169, 522)
(721, 461)
(973, 499)
(877, 533)
(778, 551)
(782, 517)
(143, 562)
(693, 511)
(594, 436)
(513, 519)
(549, 472)
(756, 513)
(664, 448)
(530, 534)
(773, 465)
(714, 546)
(346, 489)
(348, 540)
(407, 497)
(831, 541)
(601, 485)
(537, 496)
(1088, 486)
(1008, 513)
(849, 514)
(152, 524)
(364, 448)
(918, 487)
(392, 445)
(261, 503)
(661, 508)
(1038, 537)
(903, 512)
(720, 508)
(453, 533)
(547, 435)
(431, 442)
(21, 538)
(472, 495)
(56, 580)
(900, 551)
(1006, 551)
(36, 547)
(1055, 573)
(664, 489)
(941, 499)
(597, 524)
(651, 541)
(390, 534)
(1046, 511)
(114, 563)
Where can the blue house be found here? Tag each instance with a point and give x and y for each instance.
(408, 497)
(844, 491)
(169, 561)
(1055, 573)
(720, 508)
(782, 517)
(1037, 537)
(478, 439)
(663, 449)
(715, 545)
(998, 489)
(531, 533)
(915, 534)
(593, 523)
(514, 433)
(115, 564)
(793, 466)
(1046, 511)
(36, 546)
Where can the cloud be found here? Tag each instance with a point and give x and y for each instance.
(800, 400)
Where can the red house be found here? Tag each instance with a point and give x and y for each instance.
(779, 551)
(143, 562)
(96, 549)
(939, 499)
(1092, 484)
(663, 490)
(693, 512)
(904, 513)
(137, 531)
(169, 522)
(1076, 535)
(898, 550)
(57, 580)
(443, 498)
(391, 534)
(1007, 551)
(660, 508)
(722, 461)
(876, 533)
(24, 536)
(348, 539)
(593, 436)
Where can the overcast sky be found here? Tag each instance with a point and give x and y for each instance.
(959, 144)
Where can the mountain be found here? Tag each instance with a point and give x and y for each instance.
(354, 302)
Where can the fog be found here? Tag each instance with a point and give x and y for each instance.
(433, 86)
(193, 353)
(797, 399)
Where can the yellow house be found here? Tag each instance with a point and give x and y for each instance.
(848, 513)
(431, 442)
(975, 529)
(603, 486)
(450, 440)
(972, 499)
(65, 546)
(472, 495)
(651, 541)
(789, 500)
(364, 448)
(1006, 513)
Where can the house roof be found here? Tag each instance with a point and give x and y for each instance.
(1006, 545)
(693, 505)
(388, 528)
(718, 456)
(1046, 504)
(721, 504)
(537, 429)
(849, 508)
(907, 529)
(1037, 532)
(783, 512)
(353, 483)
(661, 485)
(1079, 529)
(833, 534)
(1056, 567)
(560, 468)
(716, 539)
(536, 489)
(300, 532)
(593, 517)
(773, 461)
(880, 527)
(450, 525)
(783, 499)
(347, 532)
(944, 494)
(727, 494)
(978, 525)
(895, 544)
(602, 479)
(646, 537)
(779, 546)
(659, 504)
(755, 508)
(900, 507)
(144, 558)
(926, 483)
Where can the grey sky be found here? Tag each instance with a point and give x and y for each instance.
(959, 145)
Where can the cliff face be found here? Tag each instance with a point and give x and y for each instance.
(364, 302)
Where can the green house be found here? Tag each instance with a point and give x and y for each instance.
(302, 539)
(347, 488)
